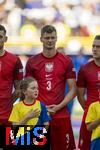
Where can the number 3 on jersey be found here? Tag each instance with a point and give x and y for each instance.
(48, 85)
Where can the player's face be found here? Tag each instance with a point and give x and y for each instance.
(49, 40)
(96, 49)
(3, 38)
(32, 90)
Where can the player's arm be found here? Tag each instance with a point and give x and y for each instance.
(93, 125)
(70, 76)
(70, 95)
(16, 93)
(81, 87)
(80, 95)
(18, 76)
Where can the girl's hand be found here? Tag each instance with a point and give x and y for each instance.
(33, 114)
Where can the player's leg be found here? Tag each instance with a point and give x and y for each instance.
(84, 138)
(61, 134)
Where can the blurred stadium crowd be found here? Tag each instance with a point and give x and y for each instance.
(23, 20)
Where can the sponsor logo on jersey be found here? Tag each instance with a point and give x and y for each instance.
(49, 67)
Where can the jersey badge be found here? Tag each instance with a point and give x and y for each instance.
(49, 67)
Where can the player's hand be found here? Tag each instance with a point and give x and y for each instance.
(50, 106)
(52, 109)
(33, 114)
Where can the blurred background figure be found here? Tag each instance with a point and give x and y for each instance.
(80, 59)
(62, 13)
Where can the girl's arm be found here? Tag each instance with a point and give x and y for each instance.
(22, 122)
(93, 125)
(31, 114)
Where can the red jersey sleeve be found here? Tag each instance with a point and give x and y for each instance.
(18, 71)
(70, 73)
(81, 80)
(28, 69)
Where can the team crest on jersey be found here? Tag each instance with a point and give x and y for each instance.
(49, 67)
(99, 75)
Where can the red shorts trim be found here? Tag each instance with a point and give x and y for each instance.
(84, 137)
(62, 137)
